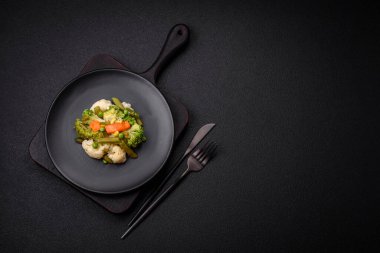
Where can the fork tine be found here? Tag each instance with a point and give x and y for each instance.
(201, 150)
(208, 155)
(206, 151)
(196, 152)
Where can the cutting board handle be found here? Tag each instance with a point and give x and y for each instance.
(177, 38)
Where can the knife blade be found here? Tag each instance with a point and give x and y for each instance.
(202, 132)
(198, 137)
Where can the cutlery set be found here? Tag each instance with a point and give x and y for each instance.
(195, 163)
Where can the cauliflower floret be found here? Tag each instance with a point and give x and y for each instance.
(96, 153)
(103, 104)
(116, 154)
(127, 105)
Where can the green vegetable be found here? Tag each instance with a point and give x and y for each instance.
(130, 119)
(97, 110)
(79, 140)
(107, 159)
(84, 131)
(135, 136)
(129, 116)
(129, 110)
(104, 161)
(139, 122)
(108, 140)
(127, 149)
(86, 114)
(102, 129)
(95, 145)
(89, 115)
(121, 136)
(118, 103)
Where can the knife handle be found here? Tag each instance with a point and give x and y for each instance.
(150, 208)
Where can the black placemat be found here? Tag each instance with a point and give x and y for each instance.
(116, 203)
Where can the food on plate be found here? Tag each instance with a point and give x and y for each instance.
(110, 131)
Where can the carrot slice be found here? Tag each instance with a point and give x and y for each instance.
(95, 125)
(117, 127)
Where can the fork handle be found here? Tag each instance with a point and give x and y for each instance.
(157, 190)
(155, 203)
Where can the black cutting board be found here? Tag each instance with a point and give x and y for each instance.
(116, 203)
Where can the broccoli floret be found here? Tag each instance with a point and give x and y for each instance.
(87, 114)
(135, 136)
(83, 131)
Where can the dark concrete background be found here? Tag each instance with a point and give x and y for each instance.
(291, 86)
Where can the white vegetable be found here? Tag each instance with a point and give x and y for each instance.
(116, 154)
(127, 105)
(96, 153)
(103, 104)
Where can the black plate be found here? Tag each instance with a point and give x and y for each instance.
(91, 174)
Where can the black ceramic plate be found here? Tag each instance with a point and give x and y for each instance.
(91, 174)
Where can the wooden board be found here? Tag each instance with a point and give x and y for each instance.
(116, 203)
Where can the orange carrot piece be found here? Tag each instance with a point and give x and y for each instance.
(95, 125)
(117, 127)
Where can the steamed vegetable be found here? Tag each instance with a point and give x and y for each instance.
(83, 131)
(108, 140)
(110, 131)
(127, 149)
(103, 104)
(91, 151)
(117, 102)
(95, 125)
(107, 159)
(78, 140)
(117, 127)
(88, 116)
(116, 154)
(130, 119)
(135, 136)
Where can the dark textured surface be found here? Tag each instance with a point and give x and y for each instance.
(292, 88)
